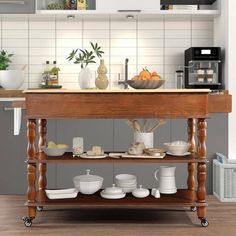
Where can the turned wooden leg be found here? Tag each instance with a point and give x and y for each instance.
(42, 183)
(201, 170)
(191, 166)
(31, 169)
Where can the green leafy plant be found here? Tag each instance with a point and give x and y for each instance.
(5, 60)
(84, 56)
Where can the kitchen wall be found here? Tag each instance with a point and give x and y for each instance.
(157, 43)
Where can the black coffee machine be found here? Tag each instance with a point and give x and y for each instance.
(203, 68)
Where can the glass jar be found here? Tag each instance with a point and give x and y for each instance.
(179, 74)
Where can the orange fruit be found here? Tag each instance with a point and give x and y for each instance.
(154, 73)
(145, 74)
(155, 77)
(135, 77)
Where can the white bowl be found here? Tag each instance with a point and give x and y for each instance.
(88, 184)
(177, 148)
(54, 151)
(125, 178)
(12, 79)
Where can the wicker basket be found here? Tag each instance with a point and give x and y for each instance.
(224, 181)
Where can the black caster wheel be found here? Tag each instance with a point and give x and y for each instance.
(204, 222)
(27, 221)
(39, 209)
(193, 209)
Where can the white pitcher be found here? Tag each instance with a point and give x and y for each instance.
(167, 179)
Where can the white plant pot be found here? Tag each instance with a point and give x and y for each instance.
(86, 80)
(146, 138)
(11, 79)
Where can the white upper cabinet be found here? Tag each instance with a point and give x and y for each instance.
(112, 6)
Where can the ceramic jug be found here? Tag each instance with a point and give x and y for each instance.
(167, 179)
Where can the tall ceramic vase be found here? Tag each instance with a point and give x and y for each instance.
(101, 81)
(86, 80)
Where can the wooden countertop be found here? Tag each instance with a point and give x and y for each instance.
(117, 91)
(11, 93)
(216, 103)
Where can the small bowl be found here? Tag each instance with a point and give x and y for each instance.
(177, 149)
(54, 151)
(145, 84)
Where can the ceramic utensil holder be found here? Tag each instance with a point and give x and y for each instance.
(146, 138)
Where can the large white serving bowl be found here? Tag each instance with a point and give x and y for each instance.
(11, 79)
(177, 147)
(88, 184)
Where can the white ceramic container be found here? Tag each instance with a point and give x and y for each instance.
(177, 147)
(88, 184)
(167, 183)
(140, 192)
(11, 79)
(54, 151)
(146, 138)
(86, 79)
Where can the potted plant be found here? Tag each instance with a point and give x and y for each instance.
(84, 58)
(9, 79)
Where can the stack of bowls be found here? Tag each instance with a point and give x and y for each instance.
(127, 182)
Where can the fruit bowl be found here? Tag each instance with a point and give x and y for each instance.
(145, 84)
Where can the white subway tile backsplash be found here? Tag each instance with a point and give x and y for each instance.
(202, 34)
(202, 42)
(72, 43)
(175, 43)
(123, 43)
(42, 43)
(151, 43)
(200, 25)
(178, 23)
(177, 34)
(42, 34)
(15, 34)
(149, 34)
(157, 44)
(16, 43)
(42, 51)
(96, 34)
(69, 25)
(150, 51)
(123, 25)
(145, 25)
(123, 34)
(42, 25)
(96, 25)
(69, 34)
(151, 60)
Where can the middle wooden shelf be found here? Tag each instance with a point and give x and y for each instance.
(68, 158)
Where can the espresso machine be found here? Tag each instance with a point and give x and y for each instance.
(203, 68)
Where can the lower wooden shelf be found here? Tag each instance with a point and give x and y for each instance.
(183, 198)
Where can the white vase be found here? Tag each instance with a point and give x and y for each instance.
(146, 138)
(86, 80)
(11, 79)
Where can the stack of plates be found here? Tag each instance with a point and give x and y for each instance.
(127, 182)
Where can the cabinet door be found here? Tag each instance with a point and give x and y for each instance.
(123, 5)
(17, 6)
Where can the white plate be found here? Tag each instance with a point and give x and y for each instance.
(62, 193)
(113, 196)
(116, 154)
(92, 157)
(185, 154)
